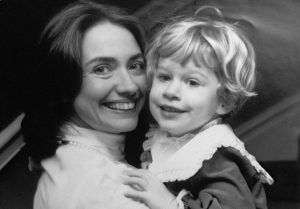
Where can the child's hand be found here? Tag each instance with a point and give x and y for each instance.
(145, 187)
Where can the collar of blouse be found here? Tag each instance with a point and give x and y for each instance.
(111, 145)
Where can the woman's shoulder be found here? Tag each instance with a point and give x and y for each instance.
(74, 164)
(91, 189)
(85, 178)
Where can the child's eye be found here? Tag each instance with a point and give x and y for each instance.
(102, 69)
(163, 77)
(138, 66)
(193, 83)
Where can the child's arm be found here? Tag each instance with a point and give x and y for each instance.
(146, 187)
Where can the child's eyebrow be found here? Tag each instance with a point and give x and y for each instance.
(162, 67)
(197, 71)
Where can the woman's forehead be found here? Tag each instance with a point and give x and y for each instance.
(109, 40)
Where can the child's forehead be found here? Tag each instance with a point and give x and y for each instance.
(189, 66)
(167, 62)
(174, 61)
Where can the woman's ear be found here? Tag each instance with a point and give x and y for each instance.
(223, 109)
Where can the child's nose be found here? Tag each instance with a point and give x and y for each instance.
(173, 91)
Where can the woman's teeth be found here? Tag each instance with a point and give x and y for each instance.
(121, 106)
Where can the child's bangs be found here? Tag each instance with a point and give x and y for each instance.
(204, 56)
(177, 46)
(184, 47)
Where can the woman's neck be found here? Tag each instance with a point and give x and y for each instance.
(113, 137)
(111, 144)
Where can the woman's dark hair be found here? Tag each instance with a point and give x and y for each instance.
(58, 74)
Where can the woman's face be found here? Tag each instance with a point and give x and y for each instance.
(114, 80)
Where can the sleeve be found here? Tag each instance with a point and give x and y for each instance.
(39, 201)
(225, 182)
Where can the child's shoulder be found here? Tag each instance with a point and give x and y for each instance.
(230, 158)
(228, 180)
(231, 161)
(233, 155)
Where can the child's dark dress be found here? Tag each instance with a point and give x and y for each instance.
(213, 166)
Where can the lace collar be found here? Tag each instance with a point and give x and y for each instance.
(163, 137)
(187, 160)
(110, 145)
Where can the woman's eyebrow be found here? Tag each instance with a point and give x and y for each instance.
(137, 56)
(101, 59)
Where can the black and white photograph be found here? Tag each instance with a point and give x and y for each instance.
(149, 104)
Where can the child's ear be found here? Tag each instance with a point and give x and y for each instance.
(223, 109)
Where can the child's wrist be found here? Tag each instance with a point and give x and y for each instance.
(173, 204)
(176, 202)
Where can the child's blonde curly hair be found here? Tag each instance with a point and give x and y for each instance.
(213, 43)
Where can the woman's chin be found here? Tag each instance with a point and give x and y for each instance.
(128, 128)
(123, 126)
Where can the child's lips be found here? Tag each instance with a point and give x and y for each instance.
(171, 109)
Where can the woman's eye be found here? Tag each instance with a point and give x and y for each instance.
(138, 66)
(102, 69)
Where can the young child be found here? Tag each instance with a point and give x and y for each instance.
(201, 71)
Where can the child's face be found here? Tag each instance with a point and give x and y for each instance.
(183, 97)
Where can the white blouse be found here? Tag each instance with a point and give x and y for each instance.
(86, 173)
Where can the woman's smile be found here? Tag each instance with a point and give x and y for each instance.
(121, 106)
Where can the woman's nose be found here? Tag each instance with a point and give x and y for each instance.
(126, 84)
(173, 90)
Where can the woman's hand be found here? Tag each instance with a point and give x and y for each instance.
(145, 187)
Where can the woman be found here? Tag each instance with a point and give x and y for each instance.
(92, 88)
